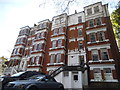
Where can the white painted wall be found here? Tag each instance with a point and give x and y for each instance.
(73, 19)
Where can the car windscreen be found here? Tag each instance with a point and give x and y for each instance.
(37, 77)
(17, 74)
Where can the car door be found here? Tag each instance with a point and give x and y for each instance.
(49, 83)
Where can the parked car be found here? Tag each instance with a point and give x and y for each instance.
(36, 82)
(18, 76)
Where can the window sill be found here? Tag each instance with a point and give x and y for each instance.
(58, 34)
(56, 48)
(98, 41)
(110, 60)
(55, 63)
(95, 26)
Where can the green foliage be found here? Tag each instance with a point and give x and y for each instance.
(115, 16)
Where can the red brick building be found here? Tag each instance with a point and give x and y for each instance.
(80, 47)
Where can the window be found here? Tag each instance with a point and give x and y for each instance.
(92, 37)
(89, 11)
(38, 36)
(108, 74)
(96, 9)
(58, 59)
(91, 23)
(98, 21)
(18, 51)
(75, 77)
(42, 34)
(80, 32)
(32, 61)
(40, 26)
(59, 42)
(62, 20)
(101, 36)
(80, 44)
(55, 31)
(52, 58)
(35, 47)
(54, 44)
(81, 60)
(60, 30)
(66, 73)
(44, 25)
(104, 54)
(39, 46)
(79, 19)
(57, 21)
(97, 74)
(95, 55)
(37, 60)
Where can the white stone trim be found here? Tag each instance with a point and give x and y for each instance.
(56, 38)
(101, 66)
(80, 27)
(81, 38)
(16, 57)
(31, 38)
(56, 52)
(38, 42)
(96, 30)
(72, 28)
(55, 63)
(114, 80)
(71, 40)
(40, 31)
(23, 36)
(57, 47)
(34, 55)
(20, 46)
(99, 47)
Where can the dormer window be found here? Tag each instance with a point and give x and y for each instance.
(96, 9)
(79, 19)
(89, 11)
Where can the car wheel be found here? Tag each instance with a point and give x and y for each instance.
(32, 88)
(61, 88)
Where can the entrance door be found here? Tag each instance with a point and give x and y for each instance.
(75, 80)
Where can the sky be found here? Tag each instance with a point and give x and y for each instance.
(15, 14)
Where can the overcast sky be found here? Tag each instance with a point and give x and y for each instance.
(15, 14)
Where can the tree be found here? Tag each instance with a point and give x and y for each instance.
(115, 17)
(3, 65)
(64, 6)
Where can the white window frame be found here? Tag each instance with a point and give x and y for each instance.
(104, 50)
(91, 23)
(80, 32)
(60, 30)
(97, 74)
(91, 39)
(95, 52)
(55, 31)
(89, 11)
(52, 58)
(108, 74)
(101, 36)
(98, 21)
(54, 44)
(37, 60)
(59, 42)
(58, 58)
(96, 9)
(80, 19)
(39, 46)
